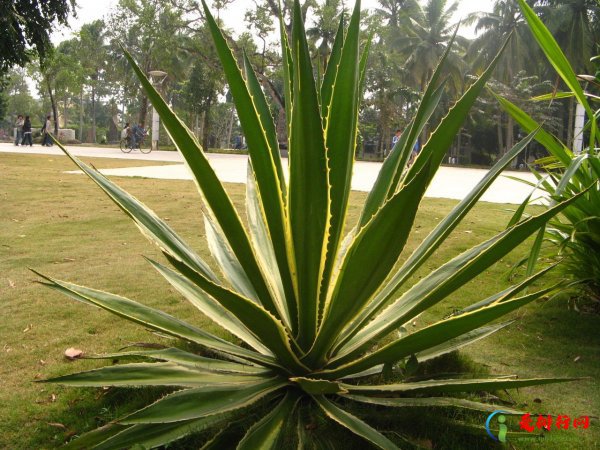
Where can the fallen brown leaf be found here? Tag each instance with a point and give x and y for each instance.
(28, 328)
(577, 359)
(57, 425)
(73, 353)
(11, 283)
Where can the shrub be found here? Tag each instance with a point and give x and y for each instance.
(575, 233)
(315, 312)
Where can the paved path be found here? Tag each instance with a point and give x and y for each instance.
(449, 182)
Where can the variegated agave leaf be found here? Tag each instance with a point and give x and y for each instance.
(307, 304)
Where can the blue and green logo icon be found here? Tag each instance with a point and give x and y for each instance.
(502, 428)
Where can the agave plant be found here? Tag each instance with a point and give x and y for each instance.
(575, 233)
(315, 312)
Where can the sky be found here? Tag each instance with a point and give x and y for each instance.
(90, 10)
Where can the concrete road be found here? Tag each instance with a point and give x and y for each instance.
(449, 182)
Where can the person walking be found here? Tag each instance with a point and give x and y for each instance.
(396, 137)
(27, 132)
(47, 141)
(19, 129)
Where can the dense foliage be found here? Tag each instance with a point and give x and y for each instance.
(26, 26)
(315, 313)
(408, 37)
(575, 234)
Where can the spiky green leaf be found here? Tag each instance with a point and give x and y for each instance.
(266, 434)
(153, 374)
(203, 402)
(308, 196)
(354, 424)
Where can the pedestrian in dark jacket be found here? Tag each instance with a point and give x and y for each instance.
(27, 132)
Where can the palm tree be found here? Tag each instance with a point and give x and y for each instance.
(493, 29)
(572, 24)
(425, 42)
(396, 13)
(322, 34)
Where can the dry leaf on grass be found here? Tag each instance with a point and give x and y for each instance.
(57, 425)
(11, 283)
(73, 353)
(28, 328)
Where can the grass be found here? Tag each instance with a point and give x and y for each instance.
(62, 225)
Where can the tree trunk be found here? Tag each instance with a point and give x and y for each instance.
(200, 127)
(93, 113)
(230, 127)
(143, 110)
(458, 144)
(206, 125)
(570, 123)
(509, 134)
(499, 131)
(65, 112)
(81, 116)
(54, 108)
(425, 132)
(197, 127)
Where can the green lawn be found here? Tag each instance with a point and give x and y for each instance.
(63, 225)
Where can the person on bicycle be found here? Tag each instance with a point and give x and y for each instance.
(137, 134)
(126, 133)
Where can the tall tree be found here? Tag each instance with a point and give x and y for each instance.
(571, 23)
(199, 93)
(396, 13)
(494, 28)
(3, 97)
(26, 26)
(152, 31)
(260, 21)
(60, 77)
(93, 54)
(322, 34)
(20, 100)
(505, 21)
(70, 77)
(425, 42)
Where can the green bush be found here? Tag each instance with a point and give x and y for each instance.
(314, 313)
(575, 233)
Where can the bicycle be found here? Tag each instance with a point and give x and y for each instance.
(126, 145)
